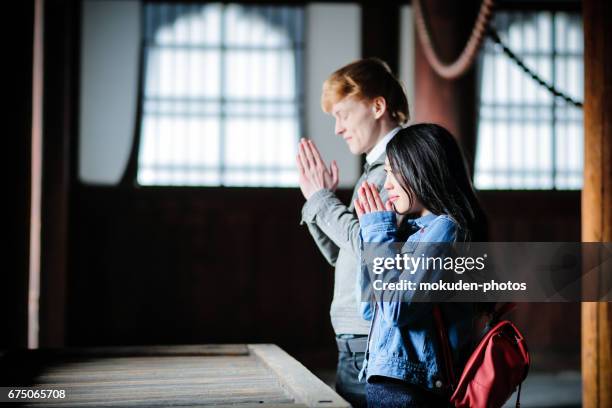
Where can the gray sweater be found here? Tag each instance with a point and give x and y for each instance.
(335, 229)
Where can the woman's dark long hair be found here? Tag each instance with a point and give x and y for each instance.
(429, 165)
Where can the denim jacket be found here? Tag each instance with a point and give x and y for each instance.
(403, 342)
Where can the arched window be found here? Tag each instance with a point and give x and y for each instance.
(222, 100)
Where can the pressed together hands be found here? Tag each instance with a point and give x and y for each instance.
(314, 176)
(369, 200)
(313, 173)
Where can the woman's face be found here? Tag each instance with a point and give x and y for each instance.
(398, 196)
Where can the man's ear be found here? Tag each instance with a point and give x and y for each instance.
(379, 107)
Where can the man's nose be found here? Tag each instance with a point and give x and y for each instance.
(339, 129)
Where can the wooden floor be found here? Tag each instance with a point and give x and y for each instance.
(231, 375)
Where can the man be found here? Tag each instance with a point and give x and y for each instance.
(370, 106)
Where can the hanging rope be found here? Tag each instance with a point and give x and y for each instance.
(470, 51)
(496, 39)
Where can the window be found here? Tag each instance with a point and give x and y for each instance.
(527, 138)
(222, 99)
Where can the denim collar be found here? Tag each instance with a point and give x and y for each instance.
(424, 221)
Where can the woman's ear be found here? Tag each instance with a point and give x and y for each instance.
(379, 107)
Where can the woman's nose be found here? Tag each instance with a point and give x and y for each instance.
(388, 185)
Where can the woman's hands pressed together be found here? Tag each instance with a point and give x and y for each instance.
(369, 200)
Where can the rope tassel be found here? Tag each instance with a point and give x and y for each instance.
(460, 66)
(467, 57)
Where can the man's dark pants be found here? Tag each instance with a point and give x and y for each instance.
(349, 365)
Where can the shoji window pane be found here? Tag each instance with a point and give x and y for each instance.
(527, 139)
(222, 96)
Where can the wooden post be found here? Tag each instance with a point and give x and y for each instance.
(59, 124)
(36, 177)
(597, 196)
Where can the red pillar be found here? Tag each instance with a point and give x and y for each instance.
(450, 103)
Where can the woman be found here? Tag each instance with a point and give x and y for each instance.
(428, 185)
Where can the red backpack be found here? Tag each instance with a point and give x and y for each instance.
(498, 365)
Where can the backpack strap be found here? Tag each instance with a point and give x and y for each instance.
(445, 346)
(504, 309)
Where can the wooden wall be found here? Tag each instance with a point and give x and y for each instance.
(193, 265)
(552, 330)
(185, 265)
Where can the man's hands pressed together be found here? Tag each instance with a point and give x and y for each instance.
(313, 173)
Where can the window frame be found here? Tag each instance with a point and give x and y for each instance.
(130, 175)
(523, 6)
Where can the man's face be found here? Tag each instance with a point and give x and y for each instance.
(357, 124)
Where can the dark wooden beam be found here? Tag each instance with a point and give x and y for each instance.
(380, 28)
(61, 89)
(18, 87)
